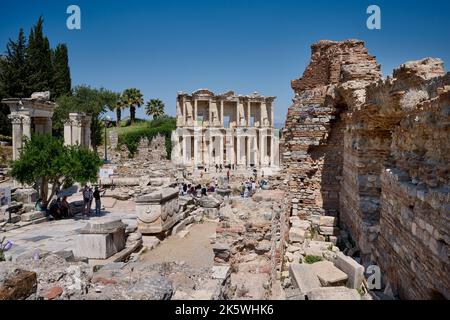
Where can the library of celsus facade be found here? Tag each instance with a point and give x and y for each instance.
(231, 130)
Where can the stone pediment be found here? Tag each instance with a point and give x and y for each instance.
(203, 93)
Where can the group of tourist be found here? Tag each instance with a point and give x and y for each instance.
(88, 197)
(249, 186)
(197, 190)
(58, 208)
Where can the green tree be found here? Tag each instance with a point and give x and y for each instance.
(44, 159)
(13, 68)
(117, 107)
(155, 108)
(61, 71)
(89, 100)
(39, 61)
(13, 76)
(133, 99)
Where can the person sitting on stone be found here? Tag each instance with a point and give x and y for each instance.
(65, 208)
(39, 206)
(54, 210)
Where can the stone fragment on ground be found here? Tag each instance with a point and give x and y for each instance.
(333, 293)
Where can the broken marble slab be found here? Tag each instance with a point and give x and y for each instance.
(303, 277)
(328, 274)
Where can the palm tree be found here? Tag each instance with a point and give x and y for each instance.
(132, 98)
(116, 104)
(155, 108)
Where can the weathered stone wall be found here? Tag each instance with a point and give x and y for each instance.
(376, 153)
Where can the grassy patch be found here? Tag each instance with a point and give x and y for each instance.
(312, 259)
(131, 135)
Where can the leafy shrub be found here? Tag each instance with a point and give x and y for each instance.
(163, 126)
(5, 138)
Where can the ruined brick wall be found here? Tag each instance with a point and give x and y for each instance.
(376, 153)
(413, 244)
(314, 130)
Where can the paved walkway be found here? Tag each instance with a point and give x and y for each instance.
(58, 235)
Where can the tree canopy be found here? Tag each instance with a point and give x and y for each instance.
(45, 159)
(133, 99)
(89, 100)
(32, 66)
(155, 108)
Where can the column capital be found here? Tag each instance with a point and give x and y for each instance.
(15, 118)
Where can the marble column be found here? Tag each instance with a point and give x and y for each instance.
(196, 150)
(248, 153)
(238, 150)
(248, 113)
(26, 126)
(185, 153)
(222, 122)
(195, 112)
(221, 149)
(272, 119)
(262, 147)
(17, 134)
(184, 112)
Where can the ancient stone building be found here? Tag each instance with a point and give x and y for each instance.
(375, 153)
(225, 129)
(29, 115)
(77, 130)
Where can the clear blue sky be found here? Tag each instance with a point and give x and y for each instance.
(162, 47)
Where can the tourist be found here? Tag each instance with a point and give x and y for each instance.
(87, 201)
(217, 167)
(39, 206)
(228, 175)
(221, 168)
(55, 209)
(98, 202)
(65, 208)
(204, 191)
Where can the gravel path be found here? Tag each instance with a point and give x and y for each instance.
(194, 248)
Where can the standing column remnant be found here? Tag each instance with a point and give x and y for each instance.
(27, 113)
(77, 130)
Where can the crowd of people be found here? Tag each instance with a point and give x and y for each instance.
(198, 190)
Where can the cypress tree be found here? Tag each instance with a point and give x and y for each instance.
(13, 77)
(61, 76)
(14, 72)
(39, 57)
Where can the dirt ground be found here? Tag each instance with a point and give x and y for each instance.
(194, 249)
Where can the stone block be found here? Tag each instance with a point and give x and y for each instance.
(353, 269)
(150, 241)
(100, 245)
(17, 284)
(296, 222)
(327, 221)
(26, 195)
(221, 272)
(31, 216)
(303, 277)
(328, 274)
(297, 235)
(104, 225)
(221, 251)
(328, 231)
(333, 293)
